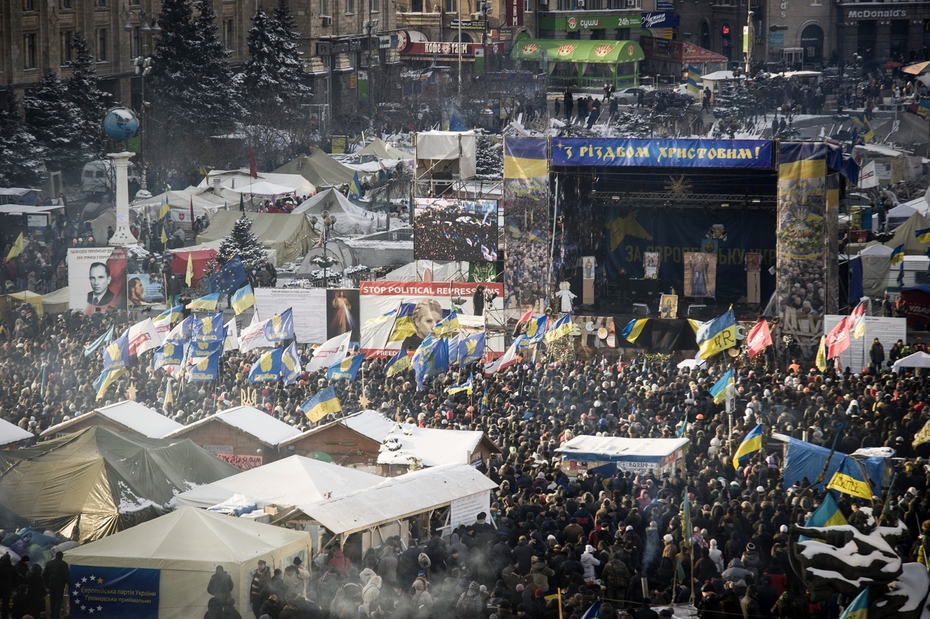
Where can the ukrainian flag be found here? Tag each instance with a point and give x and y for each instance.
(859, 609)
(467, 387)
(923, 235)
(821, 360)
(633, 329)
(447, 326)
(751, 444)
(355, 188)
(322, 404)
(535, 329)
(562, 327)
(827, 515)
(403, 323)
(897, 256)
(347, 368)
(526, 157)
(717, 335)
(206, 303)
(398, 363)
(106, 379)
(243, 299)
(719, 390)
(165, 209)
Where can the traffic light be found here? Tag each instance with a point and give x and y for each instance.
(725, 31)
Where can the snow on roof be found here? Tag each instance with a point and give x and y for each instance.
(876, 149)
(616, 448)
(11, 433)
(252, 421)
(398, 497)
(130, 415)
(401, 443)
(291, 481)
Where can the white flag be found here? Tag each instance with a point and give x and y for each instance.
(505, 361)
(867, 176)
(253, 336)
(143, 337)
(232, 336)
(330, 352)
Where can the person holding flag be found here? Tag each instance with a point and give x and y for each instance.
(751, 444)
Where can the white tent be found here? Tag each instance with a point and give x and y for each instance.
(11, 433)
(262, 188)
(240, 179)
(438, 272)
(184, 548)
(383, 150)
(350, 219)
(917, 360)
(291, 481)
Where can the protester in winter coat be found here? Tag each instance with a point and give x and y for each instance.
(589, 562)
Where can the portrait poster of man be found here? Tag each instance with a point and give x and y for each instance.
(700, 274)
(668, 306)
(651, 265)
(97, 279)
(145, 289)
(464, 230)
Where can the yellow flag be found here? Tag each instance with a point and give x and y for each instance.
(16, 249)
(821, 360)
(850, 485)
(922, 436)
(164, 237)
(190, 269)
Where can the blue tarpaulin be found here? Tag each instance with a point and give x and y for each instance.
(807, 460)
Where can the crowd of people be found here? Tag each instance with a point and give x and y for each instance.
(613, 537)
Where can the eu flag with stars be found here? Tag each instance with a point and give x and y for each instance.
(114, 592)
(230, 277)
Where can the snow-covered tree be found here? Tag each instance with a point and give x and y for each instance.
(242, 242)
(21, 157)
(89, 102)
(219, 94)
(52, 119)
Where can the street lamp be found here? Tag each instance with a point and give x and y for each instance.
(148, 26)
(324, 261)
(144, 19)
(370, 26)
(143, 67)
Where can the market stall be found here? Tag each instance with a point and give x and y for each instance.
(606, 454)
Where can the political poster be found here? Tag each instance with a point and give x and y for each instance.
(342, 313)
(96, 279)
(526, 222)
(308, 306)
(145, 289)
(114, 592)
(395, 314)
(452, 229)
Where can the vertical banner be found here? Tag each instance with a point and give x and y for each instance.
(801, 241)
(831, 298)
(114, 592)
(96, 279)
(342, 313)
(526, 218)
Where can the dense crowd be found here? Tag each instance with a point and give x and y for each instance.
(589, 537)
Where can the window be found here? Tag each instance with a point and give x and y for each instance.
(30, 51)
(100, 3)
(66, 4)
(29, 5)
(102, 54)
(374, 6)
(452, 6)
(527, 6)
(66, 41)
(229, 33)
(350, 7)
(324, 7)
(136, 44)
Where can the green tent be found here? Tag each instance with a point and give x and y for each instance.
(595, 61)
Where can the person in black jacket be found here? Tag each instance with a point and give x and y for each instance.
(221, 584)
(57, 578)
(8, 579)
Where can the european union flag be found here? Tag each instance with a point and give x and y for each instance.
(471, 348)
(430, 359)
(116, 354)
(93, 593)
(268, 366)
(347, 368)
(203, 369)
(291, 366)
(208, 328)
(280, 327)
(230, 277)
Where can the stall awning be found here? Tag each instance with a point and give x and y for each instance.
(562, 50)
(656, 451)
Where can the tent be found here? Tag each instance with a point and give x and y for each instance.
(320, 169)
(262, 188)
(629, 454)
(179, 201)
(175, 555)
(383, 150)
(917, 360)
(457, 146)
(428, 270)
(876, 259)
(904, 235)
(127, 417)
(807, 460)
(32, 298)
(56, 302)
(289, 235)
(93, 483)
(899, 214)
(350, 219)
(12, 433)
(291, 481)
(239, 179)
(336, 250)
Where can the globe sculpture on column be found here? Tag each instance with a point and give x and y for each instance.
(120, 124)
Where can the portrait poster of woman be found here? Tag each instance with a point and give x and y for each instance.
(700, 275)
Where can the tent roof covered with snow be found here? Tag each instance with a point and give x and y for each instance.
(93, 483)
(239, 179)
(320, 169)
(126, 416)
(382, 149)
(916, 360)
(265, 428)
(12, 433)
(292, 481)
(289, 235)
(350, 219)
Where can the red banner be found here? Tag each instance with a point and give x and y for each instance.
(514, 13)
(838, 339)
(759, 338)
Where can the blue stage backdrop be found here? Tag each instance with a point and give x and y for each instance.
(630, 232)
(114, 592)
(663, 153)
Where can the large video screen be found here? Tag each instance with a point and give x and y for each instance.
(450, 229)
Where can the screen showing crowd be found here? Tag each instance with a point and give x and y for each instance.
(450, 229)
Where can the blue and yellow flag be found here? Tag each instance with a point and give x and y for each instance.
(447, 326)
(633, 328)
(403, 323)
(322, 404)
(242, 299)
(719, 390)
(468, 386)
(562, 327)
(535, 330)
(865, 127)
(821, 359)
(17, 248)
(100, 341)
(859, 609)
(430, 359)
(751, 444)
(526, 157)
(202, 349)
(471, 348)
(206, 303)
(827, 515)
(116, 354)
(106, 379)
(398, 363)
(355, 188)
(167, 318)
(291, 367)
(165, 209)
(268, 366)
(923, 235)
(201, 369)
(208, 328)
(897, 254)
(347, 368)
(280, 327)
(717, 335)
(169, 353)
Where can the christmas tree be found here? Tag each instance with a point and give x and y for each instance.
(51, 118)
(242, 242)
(21, 157)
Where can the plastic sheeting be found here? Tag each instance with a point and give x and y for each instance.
(807, 460)
(659, 336)
(93, 483)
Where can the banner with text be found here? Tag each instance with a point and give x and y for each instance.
(96, 279)
(526, 219)
(664, 153)
(114, 592)
(308, 306)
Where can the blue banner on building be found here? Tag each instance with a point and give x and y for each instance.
(114, 592)
(755, 154)
(661, 19)
(632, 232)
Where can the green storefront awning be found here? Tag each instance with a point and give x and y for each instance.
(577, 51)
